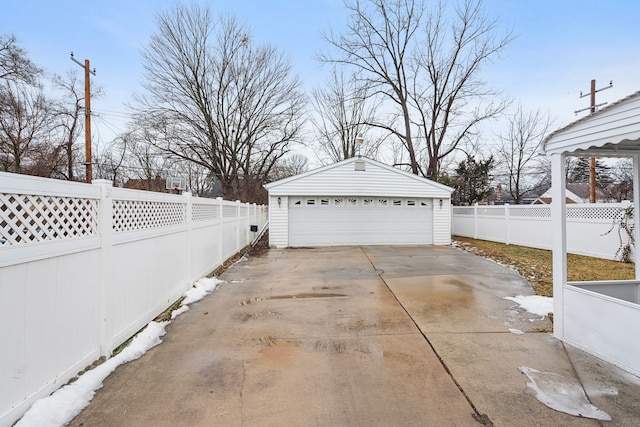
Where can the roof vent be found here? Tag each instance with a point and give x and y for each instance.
(360, 165)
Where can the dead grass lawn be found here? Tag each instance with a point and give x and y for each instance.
(535, 264)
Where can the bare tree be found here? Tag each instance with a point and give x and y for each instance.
(25, 119)
(215, 99)
(519, 148)
(289, 166)
(68, 111)
(377, 42)
(25, 122)
(109, 162)
(427, 67)
(454, 99)
(143, 158)
(199, 179)
(343, 108)
(14, 63)
(622, 186)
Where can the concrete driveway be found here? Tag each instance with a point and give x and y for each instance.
(355, 336)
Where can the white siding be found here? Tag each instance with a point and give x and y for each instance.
(341, 179)
(441, 222)
(279, 221)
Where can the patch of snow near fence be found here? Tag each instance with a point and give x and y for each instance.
(535, 304)
(64, 404)
(562, 394)
(202, 288)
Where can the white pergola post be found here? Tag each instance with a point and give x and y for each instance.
(559, 239)
(636, 211)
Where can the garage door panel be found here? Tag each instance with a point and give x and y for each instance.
(358, 220)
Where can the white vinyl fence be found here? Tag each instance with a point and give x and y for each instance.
(83, 267)
(588, 226)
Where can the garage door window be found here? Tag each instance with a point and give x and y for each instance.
(348, 202)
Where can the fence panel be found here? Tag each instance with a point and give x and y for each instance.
(592, 229)
(83, 267)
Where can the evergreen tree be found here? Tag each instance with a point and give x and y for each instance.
(580, 169)
(471, 182)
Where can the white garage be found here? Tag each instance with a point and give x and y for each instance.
(358, 201)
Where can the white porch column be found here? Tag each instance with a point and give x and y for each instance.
(559, 240)
(636, 212)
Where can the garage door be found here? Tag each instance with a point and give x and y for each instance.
(321, 221)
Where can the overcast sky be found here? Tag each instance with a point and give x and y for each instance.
(560, 46)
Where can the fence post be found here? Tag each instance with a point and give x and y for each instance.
(237, 221)
(475, 221)
(221, 231)
(255, 220)
(506, 222)
(188, 250)
(105, 229)
(247, 226)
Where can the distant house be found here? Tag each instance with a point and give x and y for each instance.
(577, 192)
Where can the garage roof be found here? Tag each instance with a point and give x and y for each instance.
(358, 176)
(611, 131)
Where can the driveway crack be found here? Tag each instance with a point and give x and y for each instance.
(476, 415)
(244, 377)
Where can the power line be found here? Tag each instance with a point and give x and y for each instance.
(113, 113)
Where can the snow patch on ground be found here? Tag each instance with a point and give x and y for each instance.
(562, 394)
(65, 403)
(535, 304)
(177, 312)
(516, 331)
(201, 289)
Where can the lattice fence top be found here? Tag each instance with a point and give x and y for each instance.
(33, 218)
(588, 212)
(204, 212)
(530, 211)
(593, 212)
(131, 215)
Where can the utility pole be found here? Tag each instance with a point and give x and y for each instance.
(592, 108)
(87, 115)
